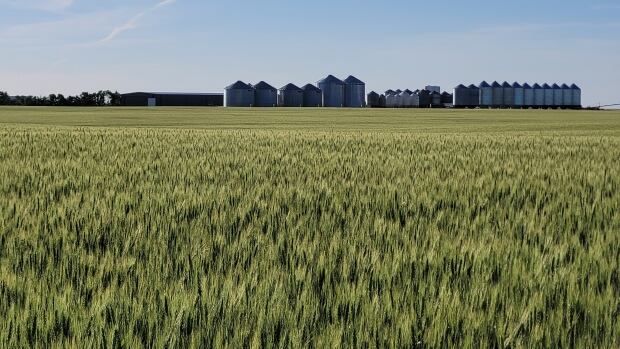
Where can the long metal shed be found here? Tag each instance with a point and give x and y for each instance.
(291, 96)
(354, 92)
(313, 96)
(172, 99)
(239, 94)
(333, 91)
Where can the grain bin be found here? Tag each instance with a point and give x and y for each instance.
(414, 100)
(576, 96)
(474, 96)
(354, 92)
(567, 96)
(239, 94)
(528, 96)
(333, 92)
(373, 100)
(291, 96)
(461, 96)
(425, 99)
(390, 99)
(548, 95)
(435, 99)
(486, 95)
(509, 95)
(382, 101)
(265, 95)
(446, 99)
(519, 95)
(558, 99)
(401, 99)
(313, 96)
(498, 95)
(539, 95)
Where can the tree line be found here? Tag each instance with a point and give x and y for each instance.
(85, 99)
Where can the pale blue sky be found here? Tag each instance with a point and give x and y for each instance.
(71, 46)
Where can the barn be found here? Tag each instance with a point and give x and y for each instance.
(169, 99)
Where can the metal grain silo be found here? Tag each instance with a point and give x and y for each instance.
(567, 96)
(473, 99)
(558, 99)
(498, 95)
(539, 95)
(461, 96)
(265, 95)
(313, 97)
(390, 99)
(291, 96)
(354, 92)
(382, 101)
(333, 92)
(519, 95)
(509, 95)
(401, 99)
(548, 95)
(435, 99)
(373, 100)
(486, 95)
(528, 96)
(576, 96)
(425, 99)
(447, 99)
(239, 94)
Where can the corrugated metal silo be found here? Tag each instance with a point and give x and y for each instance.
(382, 101)
(498, 95)
(548, 95)
(461, 96)
(373, 99)
(291, 96)
(473, 99)
(402, 99)
(425, 99)
(519, 95)
(390, 99)
(576, 96)
(333, 92)
(567, 96)
(528, 96)
(239, 94)
(265, 95)
(435, 99)
(354, 92)
(486, 95)
(558, 98)
(313, 96)
(539, 95)
(446, 99)
(509, 95)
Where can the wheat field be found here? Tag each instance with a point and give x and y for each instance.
(189, 227)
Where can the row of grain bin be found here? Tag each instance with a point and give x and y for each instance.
(515, 95)
(410, 99)
(329, 92)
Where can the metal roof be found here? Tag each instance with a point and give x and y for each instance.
(290, 87)
(239, 85)
(461, 86)
(330, 79)
(484, 84)
(506, 84)
(496, 84)
(310, 87)
(408, 91)
(373, 93)
(352, 80)
(389, 92)
(472, 86)
(575, 87)
(546, 86)
(556, 86)
(517, 85)
(172, 94)
(526, 85)
(565, 87)
(537, 86)
(264, 86)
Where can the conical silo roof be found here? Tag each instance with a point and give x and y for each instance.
(239, 85)
(556, 87)
(290, 87)
(352, 80)
(408, 91)
(536, 86)
(398, 91)
(575, 87)
(565, 87)
(506, 84)
(310, 88)
(389, 92)
(546, 86)
(527, 86)
(460, 86)
(330, 79)
(264, 86)
(373, 94)
(517, 85)
(484, 84)
(472, 86)
(496, 84)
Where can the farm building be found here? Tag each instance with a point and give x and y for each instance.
(291, 96)
(333, 92)
(313, 96)
(153, 99)
(265, 95)
(239, 94)
(354, 93)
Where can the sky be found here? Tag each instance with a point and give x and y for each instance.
(70, 46)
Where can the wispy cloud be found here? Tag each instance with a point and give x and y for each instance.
(134, 21)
